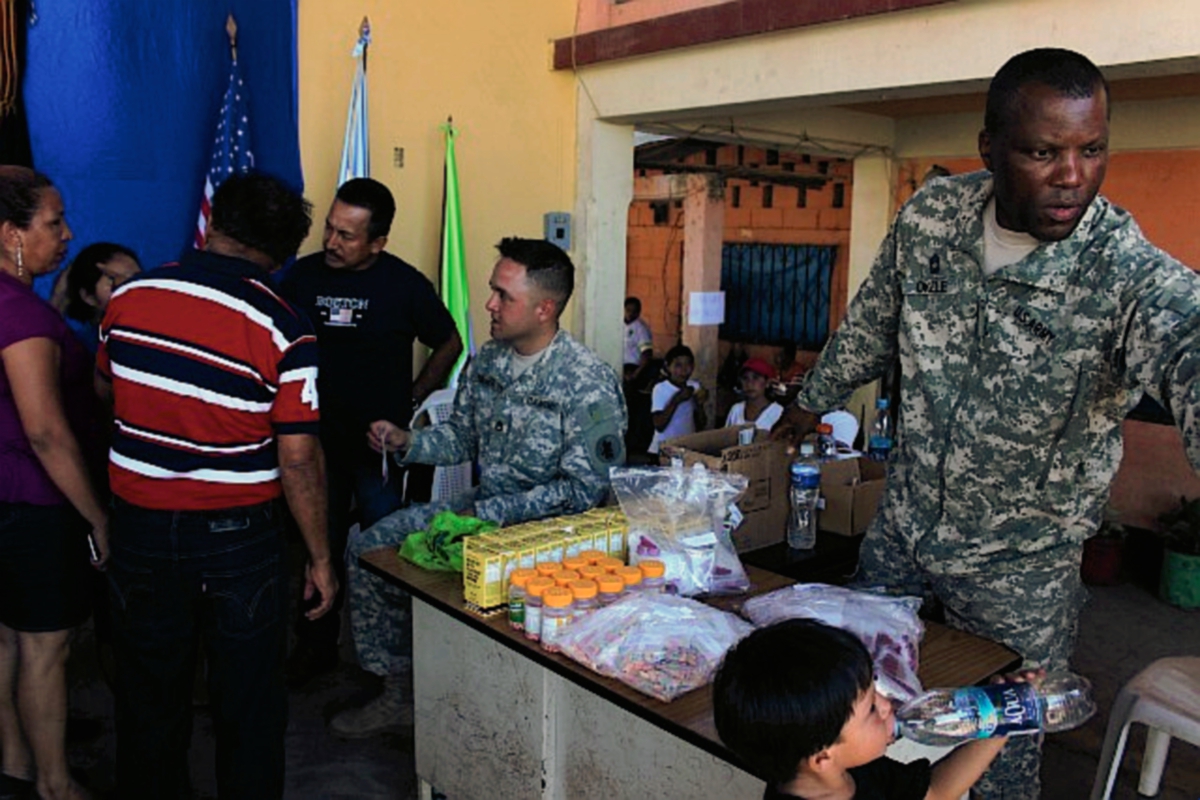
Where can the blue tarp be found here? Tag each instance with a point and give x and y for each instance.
(123, 98)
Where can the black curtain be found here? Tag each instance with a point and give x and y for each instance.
(14, 127)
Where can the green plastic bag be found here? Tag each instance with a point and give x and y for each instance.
(440, 547)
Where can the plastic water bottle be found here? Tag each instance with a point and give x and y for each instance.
(879, 445)
(945, 717)
(805, 492)
(826, 444)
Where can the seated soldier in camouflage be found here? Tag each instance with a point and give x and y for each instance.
(544, 418)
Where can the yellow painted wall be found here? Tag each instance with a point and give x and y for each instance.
(488, 65)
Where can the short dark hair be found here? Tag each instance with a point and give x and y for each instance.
(678, 351)
(546, 266)
(375, 198)
(20, 194)
(785, 692)
(635, 302)
(261, 212)
(84, 273)
(1065, 71)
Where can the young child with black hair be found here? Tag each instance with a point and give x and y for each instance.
(677, 404)
(796, 702)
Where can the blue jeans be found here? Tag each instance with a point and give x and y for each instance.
(177, 575)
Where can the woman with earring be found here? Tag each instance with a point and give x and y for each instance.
(48, 506)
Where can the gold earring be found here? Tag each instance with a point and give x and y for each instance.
(20, 260)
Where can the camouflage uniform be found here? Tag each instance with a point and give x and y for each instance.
(544, 444)
(1013, 388)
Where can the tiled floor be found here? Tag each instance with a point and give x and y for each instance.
(1123, 629)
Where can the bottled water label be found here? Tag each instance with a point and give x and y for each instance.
(878, 448)
(1006, 709)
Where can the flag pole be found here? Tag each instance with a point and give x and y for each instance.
(364, 33)
(231, 29)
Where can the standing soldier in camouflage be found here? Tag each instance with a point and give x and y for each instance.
(544, 418)
(1028, 315)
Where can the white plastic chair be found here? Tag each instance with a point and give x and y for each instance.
(1165, 697)
(451, 480)
(845, 426)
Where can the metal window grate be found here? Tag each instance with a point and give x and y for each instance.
(775, 293)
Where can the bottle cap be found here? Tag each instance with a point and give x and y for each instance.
(611, 584)
(610, 564)
(537, 586)
(593, 556)
(631, 575)
(807, 449)
(591, 572)
(520, 577)
(583, 590)
(574, 562)
(548, 568)
(557, 597)
(565, 576)
(652, 568)
(882, 403)
(824, 427)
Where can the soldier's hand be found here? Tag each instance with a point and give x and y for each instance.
(384, 435)
(794, 425)
(320, 580)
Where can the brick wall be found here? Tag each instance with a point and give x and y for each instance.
(654, 254)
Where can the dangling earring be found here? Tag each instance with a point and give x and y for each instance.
(20, 259)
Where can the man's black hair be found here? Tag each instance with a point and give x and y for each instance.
(546, 266)
(375, 198)
(262, 213)
(84, 273)
(635, 302)
(1065, 71)
(677, 351)
(785, 692)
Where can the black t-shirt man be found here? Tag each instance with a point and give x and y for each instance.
(366, 322)
(881, 779)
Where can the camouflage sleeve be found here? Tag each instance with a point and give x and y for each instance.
(453, 441)
(593, 431)
(863, 346)
(1162, 346)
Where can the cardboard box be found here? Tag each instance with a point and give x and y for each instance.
(851, 488)
(765, 463)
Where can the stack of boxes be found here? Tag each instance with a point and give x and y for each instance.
(490, 558)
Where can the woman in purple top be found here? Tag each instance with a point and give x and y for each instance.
(47, 501)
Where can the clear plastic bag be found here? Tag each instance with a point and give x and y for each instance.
(678, 516)
(888, 626)
(658, 644)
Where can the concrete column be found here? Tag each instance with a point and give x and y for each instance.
(703, 229)
(604, 191)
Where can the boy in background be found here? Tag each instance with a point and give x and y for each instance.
(796, 702)
(677, 404)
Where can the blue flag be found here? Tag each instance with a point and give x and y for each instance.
(356, 150)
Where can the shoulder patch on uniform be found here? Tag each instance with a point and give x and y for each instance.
(608, 449)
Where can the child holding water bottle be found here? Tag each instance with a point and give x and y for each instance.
(796, 701)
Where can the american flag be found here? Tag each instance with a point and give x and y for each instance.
(231, 148)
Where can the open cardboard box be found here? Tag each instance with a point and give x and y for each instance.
(851, 488)
(765, 463)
